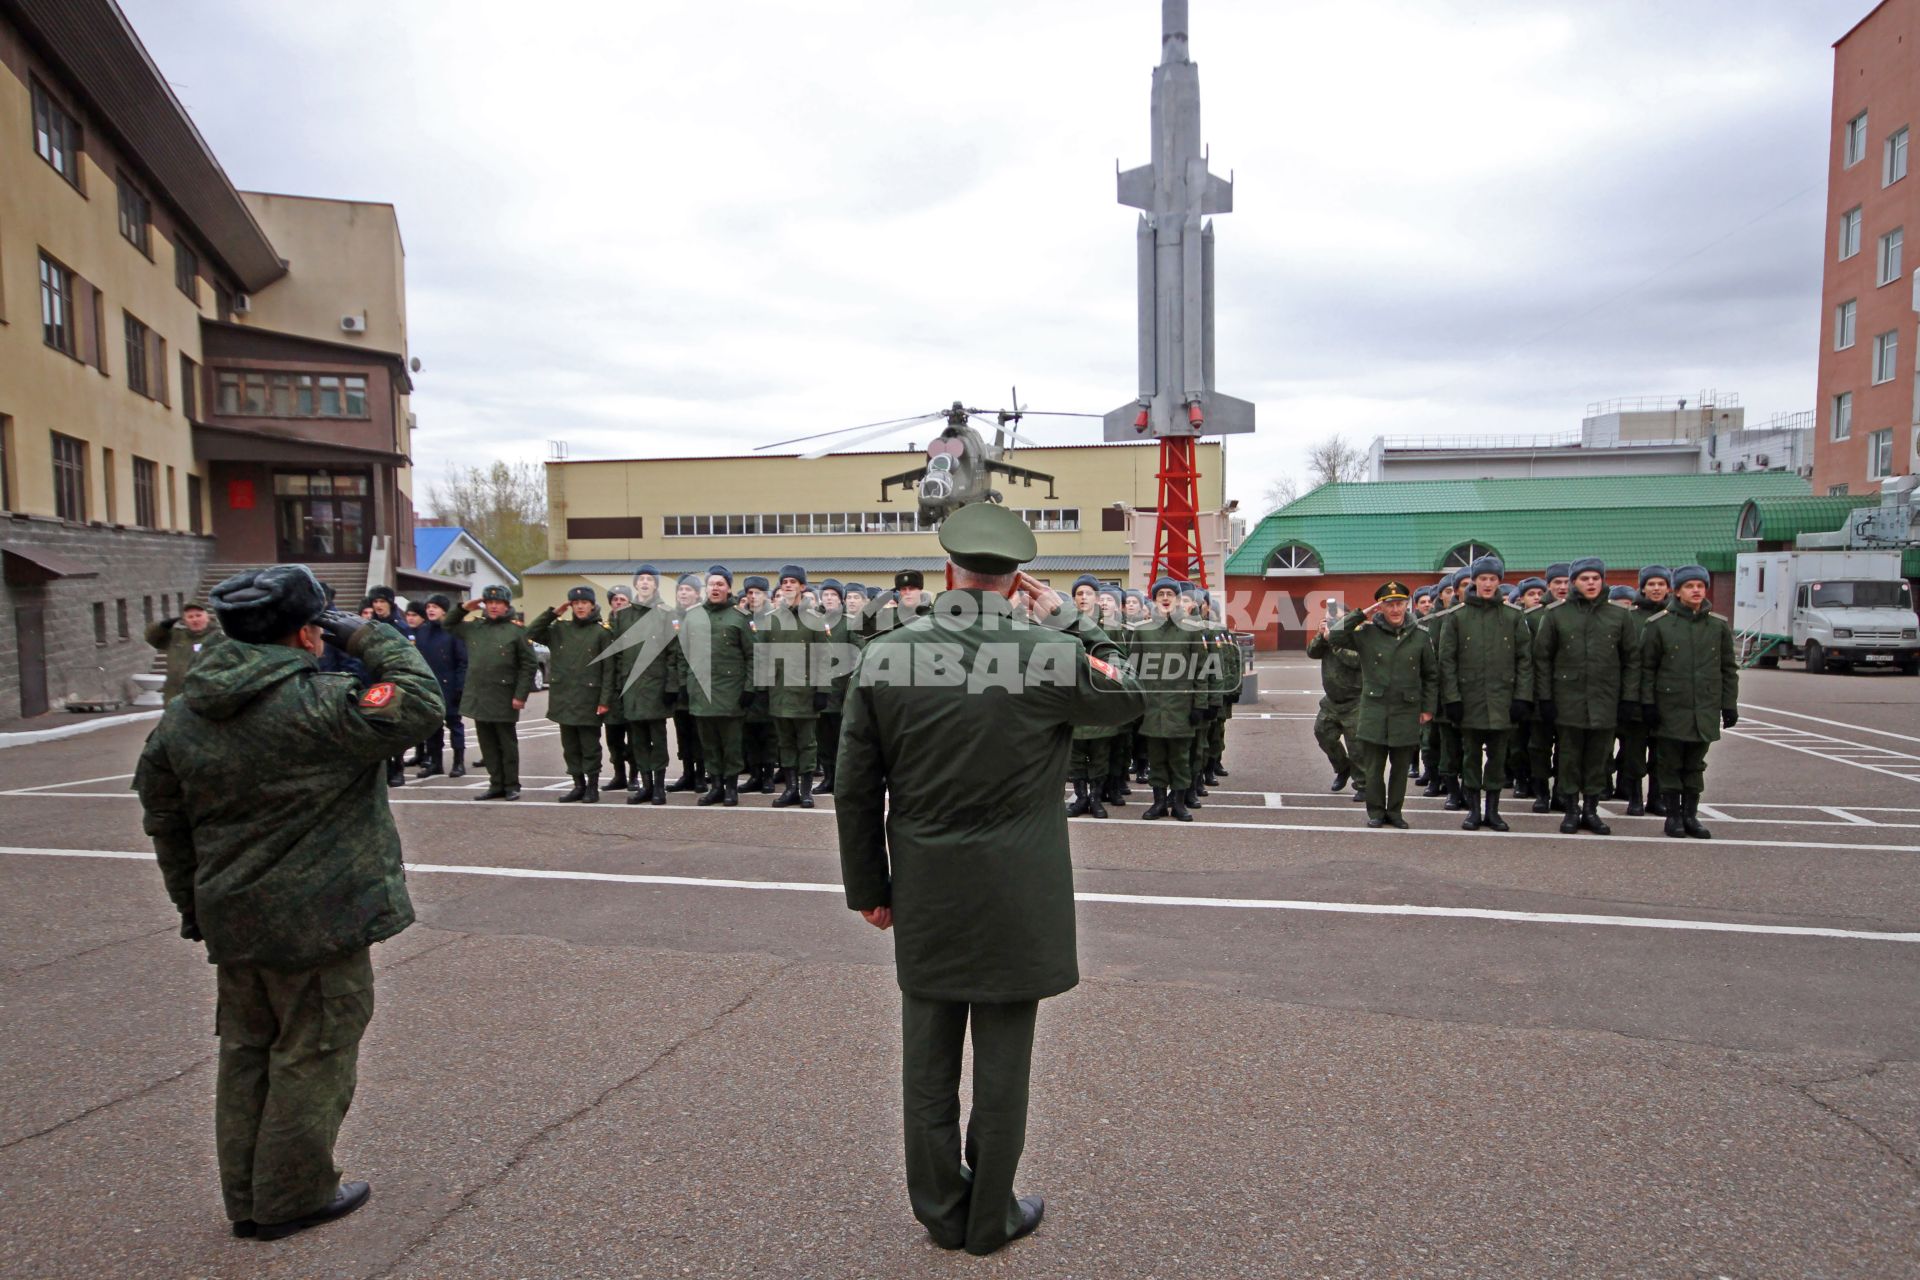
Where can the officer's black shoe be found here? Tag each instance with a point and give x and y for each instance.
(432, 765)
(1590, 817)
(1690, 816)
(491, 793)
(1177, 805)
(716, 795)
(1032, 1209)
(459, 769)
(511, 793)
(1397, 822)
(1570, 823)
(825, 786)
(1436, 785)
(1634, 807)
(806, 793)
(1472, 821)
(1158, 809)
(640, 796)
(1376, 823)
(350, 1196)
(787, 798)
(1455, 800)
(1656, 800)
(686, 781)
(642, 789)
(578, 793)
(246, 1229)
(1078, 805)
(1219, 770)
(1116, 792)
(1359, 793)
(593, 790)
(1340, 779)
(732, 793)
(1492, 818)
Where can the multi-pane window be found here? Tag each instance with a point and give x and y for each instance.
(796, 523)
(194, 501)
(1886, 354)
(189, 388)
(1880, 454)
(136, 353)
(1844, 317)
(251, 394)
(1890, 255)
(1894, 163)
(1850, 232)
(1854, 143)
(146, 506)
(56, 305)
(56, 136)
(69, 477)
(1843, 415)
(1836, 491)
(186, 271)
(135, 216)
(1050, 519)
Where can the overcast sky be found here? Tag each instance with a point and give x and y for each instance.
(660, 227)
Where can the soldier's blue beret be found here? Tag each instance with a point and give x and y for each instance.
(262, 606)
(1087, 580)
(582, 593)
(1487, 564)
(1531, 584)
(753, 580)
(1653, 571)
(720, 571)
(1621, 593)
(647, 569)
(1692, 573)
(1561, 570)
(797, 572)
(1587, 564)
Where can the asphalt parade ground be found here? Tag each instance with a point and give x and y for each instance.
(641, 1041)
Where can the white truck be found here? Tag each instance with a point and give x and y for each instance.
(1834, 609)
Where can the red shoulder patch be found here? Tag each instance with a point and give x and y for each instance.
(1104, 668)
(378, 696)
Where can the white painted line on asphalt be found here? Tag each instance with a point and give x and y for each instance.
(1838, 812)
(1893, 764)
(1273, 799)
(29, 737)
(76, 782)
(1838, 724)
(1712, 813)
(1119, 899)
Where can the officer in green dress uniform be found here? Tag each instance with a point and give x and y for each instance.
(1399, 688)
(790, 658)
(687, 595)
(1586, 672)
(718, 642)
(956, 736)
(500, 668)
(1631, 772)
(1334, 724)
(580, 687)
(1486, 685)
(262, 790)
(841, 658)
(1690, 691)
(1167, 657)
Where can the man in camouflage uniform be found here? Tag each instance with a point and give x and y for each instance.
(1399, 689)
(182, 639)
(262, 791)
(500, 667)
(1334, 726)
(580, 686)
(1690, 691)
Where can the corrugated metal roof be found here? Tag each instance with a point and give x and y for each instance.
(819, 565)
(1410, 525)
(1784, 519)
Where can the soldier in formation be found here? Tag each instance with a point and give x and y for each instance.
(1095, 746)
(446, 657)
(580, 686)
(1486, 686)
(1690, 684)
(1587, 670)
(1167, 657)
(500, 667)
(1338, 715)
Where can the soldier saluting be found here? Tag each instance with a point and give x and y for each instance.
(500, 667)
(264, 794)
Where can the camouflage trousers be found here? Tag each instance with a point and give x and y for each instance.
(289, 1055)
(1331, 729)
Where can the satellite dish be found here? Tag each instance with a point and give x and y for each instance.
(414, 364)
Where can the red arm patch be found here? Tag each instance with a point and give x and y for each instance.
(1104, 668)
(378, 696)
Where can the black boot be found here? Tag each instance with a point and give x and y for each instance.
(1493, 820)
(1078, 805)
(659, 788)
(1541, 804)
(593, 788)
(492, 793)
(825, 786)
(766, 781)
(1340, 779)
(1634, 807)
(1095, 809)
(1590, 816)
(434, 764)
(459, 769)
(689, 779)
(1455, 801)
(1208, 776)
(1674, 812)
(1570, 821)
(419, 757)
(1158, 809)
(1656, 800)
(619, 779)
(579, 791)
(731, 797)
(1359, 792)
(789, 797)
(714, 794)
(1198, 789)
(1116, 792)
(396, 774)
(1178, 808)
(1523, 788)
(806, 792)
(642, 790)
(1191, 796)
(1219, 769)
(1690, 816)
(1472, 821)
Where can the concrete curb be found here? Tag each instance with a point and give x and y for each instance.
(29, 737)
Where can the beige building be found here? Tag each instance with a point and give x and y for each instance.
(756, 513)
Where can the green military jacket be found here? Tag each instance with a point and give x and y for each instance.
(1232, 669)
(844, 647)
(264, 790)
(500, 665)
(578, 683)
(1085, 732)
(171, 637)
(716, 641)
(1585, 662)
(641, 653)
(790, 661)
(1689, 672)
(1486, 663)
(1399, 677)
(1638, 617)
(1339, 672)
(947, 790)
(1169, 660)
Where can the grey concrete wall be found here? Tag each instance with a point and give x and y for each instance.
(147, 570)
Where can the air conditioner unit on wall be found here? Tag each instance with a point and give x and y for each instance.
(354, 324)
(242, 303)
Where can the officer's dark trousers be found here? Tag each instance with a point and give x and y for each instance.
(617, 743)
(1518, 762)
(647, 744)
(827, 740)
(1680, 766)
(289, 1051)
(794, 745)
(977, 1211)
(756, 745)
(580, 747)
(1585, 757)
(720, 745)
(1217, 735)
(1447, 739)
(1088, 759)
(1483, 759)
(500, 745)
(1385, 770)
(456, 728)
(1633, 754)
(1170, 762)
(1331, 734)
(1540, 762)
(686, 732)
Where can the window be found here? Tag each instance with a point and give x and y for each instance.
(1880, 454)
(252, 394)
(120, 614)
(135, 216)
(1844, 316)
(100, 622)
(56, 136)
(146, 511)
(1836, 491)
(1294, 557)
(186, 271)
(1843, 415)
(194, 501)
(1850, 233)
(173, 503)
(69, 477)
(1893, 166)
(1890, 255)
(109, 485)
(1465, 554)
(137, 335)
(1886, 354)
(56, 305)
(189, 388)
(1854, 141)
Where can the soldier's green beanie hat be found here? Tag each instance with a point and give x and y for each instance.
(262, 606)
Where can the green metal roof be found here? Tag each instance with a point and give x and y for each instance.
(1782, 519)
(1402, 526)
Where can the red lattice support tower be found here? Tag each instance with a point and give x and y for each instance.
(1176, 524)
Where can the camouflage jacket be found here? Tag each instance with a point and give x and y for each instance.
(171, 637)
(264, 790)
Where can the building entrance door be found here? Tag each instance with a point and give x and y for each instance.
(321, 515)
(30, 635)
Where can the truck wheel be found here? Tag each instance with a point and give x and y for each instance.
(1816, 658)
(1770, 661)
(1909, 666)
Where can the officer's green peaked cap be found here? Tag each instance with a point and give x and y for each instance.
(985, 537)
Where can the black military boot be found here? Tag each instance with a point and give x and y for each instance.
(396, 773)
(825, 786)
(1340, 779)
(689, 779)
(1522, 787)
(1359, 795)
(619, 781)
(1472, 821)
(1095, 809)
(1656, 800)
(731, 797)
(716, 794)
(1492, 818)
(579, 791)
(1191, 796)
(1422, 771)
(1078, 805)
(1676, 820)
(459, 769)
(1219, 769)
(806, 792)
(1178, 808)
(419, 757)
(791, 796)
(1590, 816)
(1208, 776)
(1116, 792)
(1436, 782)
(1541, 802)
(1455, 801)
(766, 780)
(593, 789)
(1690, 816)
(434, 764)
(1634, 807)
(1158, 809)
(1197, 787)
(1570, 822)
(642, 790)
(658, 792)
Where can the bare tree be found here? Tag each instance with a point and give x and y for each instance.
(1280, 492)
(1333, 460)
(505, 506)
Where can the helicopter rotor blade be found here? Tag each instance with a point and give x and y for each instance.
(821, 435)
(879, 430)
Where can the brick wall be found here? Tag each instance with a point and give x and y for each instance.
(133, 565)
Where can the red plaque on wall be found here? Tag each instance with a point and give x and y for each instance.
(239, 495)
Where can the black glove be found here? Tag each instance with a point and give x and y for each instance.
(1456, 711)
(1209, 713)
(1233, 699)
(746, 699)
(339, 627)
(1545, 710)
(190, 927)
(1519, 709)
(170, 620)
(820, 701)
(1650, 714)
(1193, 715)
(1629, 713)
(1729, 718)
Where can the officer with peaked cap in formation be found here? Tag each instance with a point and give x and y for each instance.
(1587, 671)
(952, 834)
(1630, 775)
(688, 593)
(1337, 718)
(791, 661)
(261, 789)
(580, 687)
(1399, 691)
(1690, 691)
(1167, 658)
(500, 667)
(1486, 684)
(718, 640)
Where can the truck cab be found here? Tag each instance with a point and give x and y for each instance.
(1846, 621)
